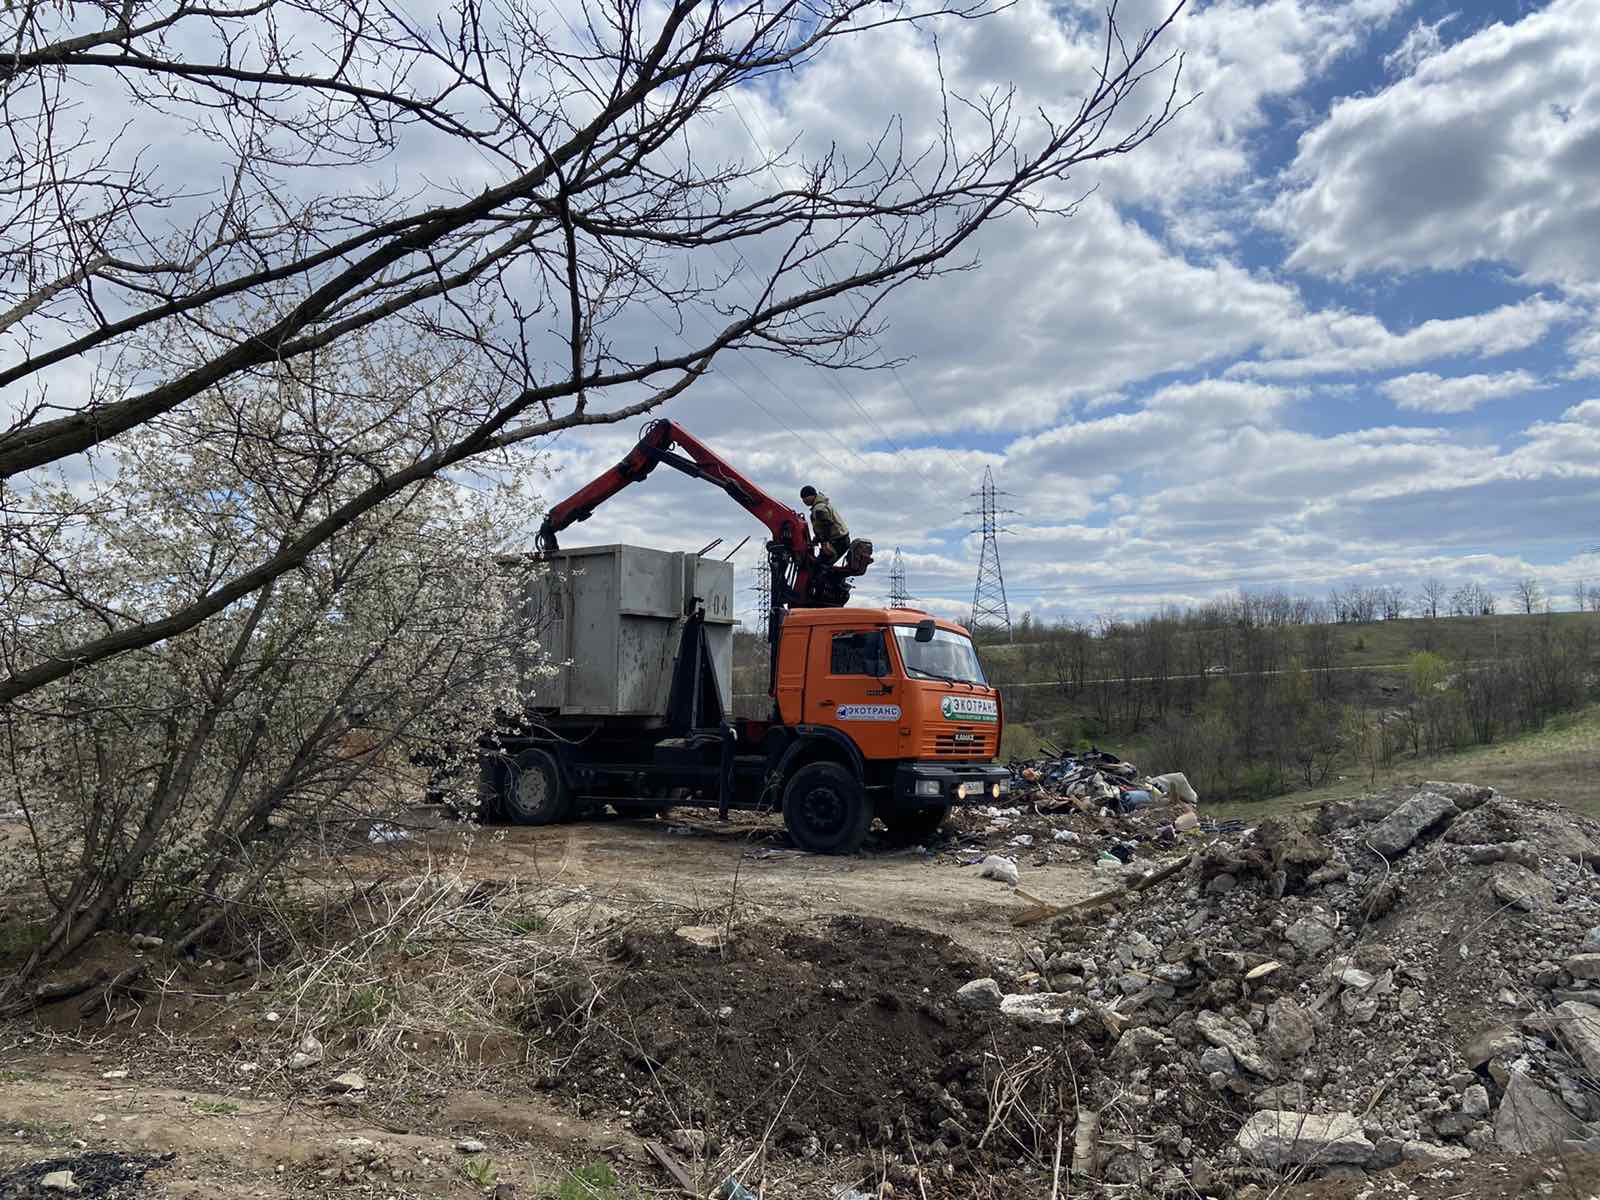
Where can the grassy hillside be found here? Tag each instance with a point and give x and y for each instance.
(1559, 763)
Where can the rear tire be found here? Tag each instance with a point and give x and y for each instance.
(912, 824)
(534, 793)
(826, 809)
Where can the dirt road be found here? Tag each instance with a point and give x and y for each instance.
(694, 862)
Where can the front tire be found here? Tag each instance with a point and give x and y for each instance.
(826, 809)
(534, 793)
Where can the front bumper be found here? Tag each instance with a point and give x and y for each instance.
(982, 783)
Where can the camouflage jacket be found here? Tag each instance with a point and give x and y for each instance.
(826, 524)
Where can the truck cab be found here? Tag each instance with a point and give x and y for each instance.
(908, 692)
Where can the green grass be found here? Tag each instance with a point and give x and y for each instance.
(527, 923)
(596, 1181)
(215, 1108)
(480, 1171)
(1556, 764)
(367, 1006)
(18, 939)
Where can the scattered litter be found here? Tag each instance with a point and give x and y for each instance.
(1022, 839)
(1003, 869)
(383, 835)
(769, 852)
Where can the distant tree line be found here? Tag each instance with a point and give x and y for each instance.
(1257, 694)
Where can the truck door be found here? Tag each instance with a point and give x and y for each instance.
(852, 686)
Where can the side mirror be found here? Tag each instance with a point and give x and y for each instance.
(925, 631)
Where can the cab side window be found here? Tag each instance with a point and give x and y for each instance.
(860, 654)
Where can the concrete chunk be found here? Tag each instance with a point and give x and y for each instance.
(1280, 1139)
(1424, 811)
(1531, 1120)
(1238, 1041)
(1521, 888)
(980, 993)
(1043, 1008)
(1578, 1027)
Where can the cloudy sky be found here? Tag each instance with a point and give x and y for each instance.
(1339, 323)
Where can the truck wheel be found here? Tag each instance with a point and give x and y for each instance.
(534, 793)
(914, 823)
(826, 810)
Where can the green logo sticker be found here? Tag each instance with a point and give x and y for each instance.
(970, 708)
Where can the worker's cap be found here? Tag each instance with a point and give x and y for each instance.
(807, 492)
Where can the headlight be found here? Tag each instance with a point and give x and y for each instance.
(929, 787)
(1002, 787)
(969, 789)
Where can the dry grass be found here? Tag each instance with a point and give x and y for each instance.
(432, 972)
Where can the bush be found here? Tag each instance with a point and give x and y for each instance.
(1019, 741)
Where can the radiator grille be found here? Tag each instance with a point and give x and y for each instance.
(975, 742)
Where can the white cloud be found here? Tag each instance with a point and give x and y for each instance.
(1422, 41)
(1488, 152)
(1337, 343)
(1423, 391)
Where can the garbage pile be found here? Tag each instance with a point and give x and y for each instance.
(1416, 976)
(1093, 780)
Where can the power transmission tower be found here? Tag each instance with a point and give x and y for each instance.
(763, 590)
(899, 594)
(989, 608)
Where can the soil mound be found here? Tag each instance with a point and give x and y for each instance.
(845, 1038)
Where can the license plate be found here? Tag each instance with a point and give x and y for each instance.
(964, 739)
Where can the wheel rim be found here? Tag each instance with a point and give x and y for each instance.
(533, 791)
(822, 811)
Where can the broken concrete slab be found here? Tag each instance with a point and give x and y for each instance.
(1276, 1138)
(1465, 795)
(1521, 888)
(1423, 812)
(1532, 1119)
(1578, 1027)
(1238, 1040)
(1043, 1008)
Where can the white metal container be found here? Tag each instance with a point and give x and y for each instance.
(612, 617)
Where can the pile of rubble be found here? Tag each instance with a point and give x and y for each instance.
(1416, 975)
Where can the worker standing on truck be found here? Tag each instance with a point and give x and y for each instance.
(829, 533)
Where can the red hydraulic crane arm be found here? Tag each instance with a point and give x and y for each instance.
(661, 438)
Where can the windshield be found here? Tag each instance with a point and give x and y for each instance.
(948, 656)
